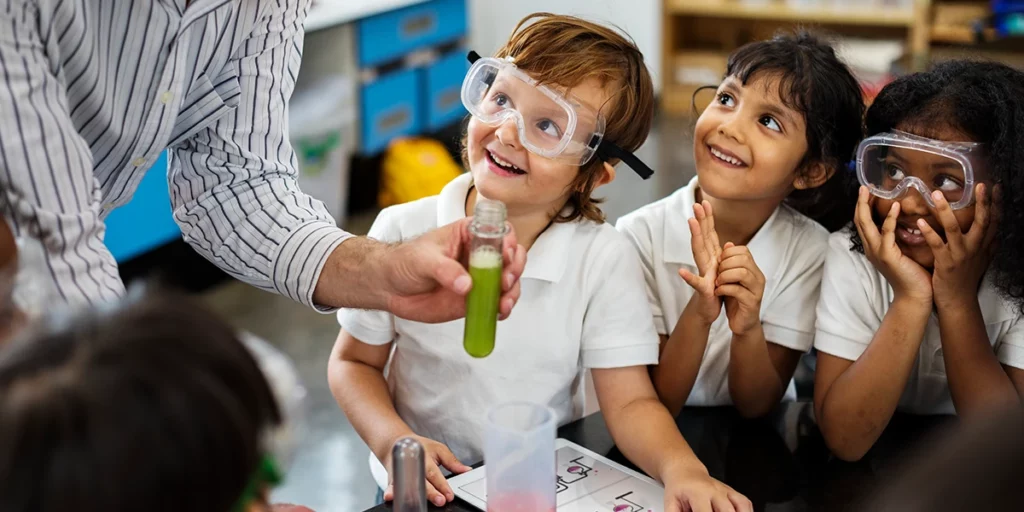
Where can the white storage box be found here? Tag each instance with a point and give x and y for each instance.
(322, 130)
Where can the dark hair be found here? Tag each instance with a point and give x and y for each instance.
(984, 101)
(155, 405)
(815, 83)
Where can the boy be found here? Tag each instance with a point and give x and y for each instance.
(560, 104)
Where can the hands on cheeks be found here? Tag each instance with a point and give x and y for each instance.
(691, 489)
(727, 274)
(962, 259)
(435, 456)
(907, 278)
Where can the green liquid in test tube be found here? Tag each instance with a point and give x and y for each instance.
(485, 268)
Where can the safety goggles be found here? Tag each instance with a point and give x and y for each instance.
(889, 164)
(551, 123)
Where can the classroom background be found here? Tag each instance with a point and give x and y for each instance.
(376, 118)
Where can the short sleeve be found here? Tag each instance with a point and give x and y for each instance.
(618, 330)
(1011, 345)
(847, 318)
(640, 238)
(789, 319)
(370, 326)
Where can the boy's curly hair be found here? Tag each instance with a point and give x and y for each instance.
(984, 101)
(565, 51)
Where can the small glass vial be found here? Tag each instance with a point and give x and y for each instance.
(410, 480)
(487, 233)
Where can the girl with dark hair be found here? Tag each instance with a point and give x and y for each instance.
(770, 152)
(921, 300)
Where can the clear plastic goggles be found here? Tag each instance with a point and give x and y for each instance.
(889, 164)
(550, 123)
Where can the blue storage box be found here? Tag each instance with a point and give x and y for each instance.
(443, 102)
(391, 35)
(390, 107)
(146, 222)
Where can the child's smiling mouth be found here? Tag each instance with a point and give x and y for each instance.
(725, 157)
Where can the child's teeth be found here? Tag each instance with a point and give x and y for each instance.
(725, 157)
(502, 162)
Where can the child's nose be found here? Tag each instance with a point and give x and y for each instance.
(508, 134)
(913, 203)
(731, 129)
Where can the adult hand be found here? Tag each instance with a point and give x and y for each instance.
(426, 278)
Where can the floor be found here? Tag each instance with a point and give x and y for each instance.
(330, 472)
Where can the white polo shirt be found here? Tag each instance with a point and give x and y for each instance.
(855, 298)
(582, 305)
(789, 249)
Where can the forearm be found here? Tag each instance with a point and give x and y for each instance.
(363, 395)
(977, 381)
(680, 361)
(647, 435)
(354, 276)
(754, 383)
(860, 402)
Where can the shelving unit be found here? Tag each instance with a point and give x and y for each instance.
(700, 34)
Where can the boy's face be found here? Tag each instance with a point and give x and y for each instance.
(748, 144)
(506, 171)
(913, 207)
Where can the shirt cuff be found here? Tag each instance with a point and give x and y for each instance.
(302, 258)
(839, 346)
(789, 338)
(621, 357)
(1011, 355)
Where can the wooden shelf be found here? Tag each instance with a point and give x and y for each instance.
(783, 12)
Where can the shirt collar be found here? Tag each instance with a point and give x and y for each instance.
(549, 255)
(677, 248)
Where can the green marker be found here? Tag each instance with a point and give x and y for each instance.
(485, 268)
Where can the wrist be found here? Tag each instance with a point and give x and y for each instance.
(693, 315)
(382, 450)
(681, 465)
(912, 304)
(355, 275)
(749, 334)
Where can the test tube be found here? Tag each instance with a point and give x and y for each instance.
(410, 480)
(487, 233)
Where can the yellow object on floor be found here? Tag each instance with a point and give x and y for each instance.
(414, 168)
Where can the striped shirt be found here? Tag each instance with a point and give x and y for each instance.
(91, 93)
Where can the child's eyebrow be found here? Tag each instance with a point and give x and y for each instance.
(785, 114)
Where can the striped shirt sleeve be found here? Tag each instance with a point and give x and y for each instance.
(46, 170)
(234, 187)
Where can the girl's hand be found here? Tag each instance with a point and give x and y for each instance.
(706, 253)
(961, 260)
(907, 278)
(741, 286)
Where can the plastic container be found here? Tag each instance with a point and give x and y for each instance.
(322, 131)
(519, 457)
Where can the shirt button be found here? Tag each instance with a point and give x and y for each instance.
(166, 97)
(139, 162)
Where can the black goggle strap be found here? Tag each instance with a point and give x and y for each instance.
(605, 150)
